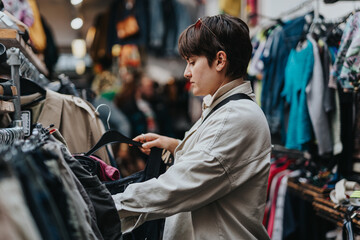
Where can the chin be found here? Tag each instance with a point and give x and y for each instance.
(195, 93)
(198, 94)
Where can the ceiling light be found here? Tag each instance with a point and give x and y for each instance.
(76, 2)
(76, 23)
(78, 48)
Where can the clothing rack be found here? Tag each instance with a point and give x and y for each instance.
(10, 135)
(278, 149)
(23, 63)
(14, 62)
(297, 8)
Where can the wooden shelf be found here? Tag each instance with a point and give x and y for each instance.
(307, 191)
(11, 38)
(336, 214)
(323, 207)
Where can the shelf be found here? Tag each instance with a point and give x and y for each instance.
(323, 207)
(333, 213)
(307, 191)
(11, 38)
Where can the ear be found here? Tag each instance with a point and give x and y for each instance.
(221, 59)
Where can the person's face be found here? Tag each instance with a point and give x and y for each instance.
(204, 79)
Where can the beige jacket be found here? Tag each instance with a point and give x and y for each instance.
(75, 119)
(217, 187)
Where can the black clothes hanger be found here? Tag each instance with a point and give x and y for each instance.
(28, 87)
(112, 136)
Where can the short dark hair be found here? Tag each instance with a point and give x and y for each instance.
(221, 32)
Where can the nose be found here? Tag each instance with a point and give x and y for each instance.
(187, 72)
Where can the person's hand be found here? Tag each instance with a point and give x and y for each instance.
(150, 140)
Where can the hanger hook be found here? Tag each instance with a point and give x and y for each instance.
(108, 118)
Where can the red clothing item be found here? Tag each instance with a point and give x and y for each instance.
(270, 226)
(275, 169)
(107, 172)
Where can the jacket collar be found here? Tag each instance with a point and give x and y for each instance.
(235, 86)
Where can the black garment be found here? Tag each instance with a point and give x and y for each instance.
(51, 52)
(106, 215)
(154, 168)
(345, 162)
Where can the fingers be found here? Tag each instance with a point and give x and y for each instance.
(154, 143)
(138, 138)
(146, 137)
(150, 140)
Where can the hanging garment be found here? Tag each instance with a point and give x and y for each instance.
(315, 102)
(98, 47)
(98, 167)
(298, 72)
(356, 153)
(350, 32)
(280, 206)
(87, 228)
(51, 52)
(16, 221)
(75, 119)
(21, 10)
(36, 30)
(38, 196)
(350, 72)
(107, 218)
(283, 41)
(232, 7)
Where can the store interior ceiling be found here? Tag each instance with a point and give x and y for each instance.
(59, 13)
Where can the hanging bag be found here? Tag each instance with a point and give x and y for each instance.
(128, 26)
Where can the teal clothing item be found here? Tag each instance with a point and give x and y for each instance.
(298, 72)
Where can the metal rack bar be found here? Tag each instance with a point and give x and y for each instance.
(14, 62)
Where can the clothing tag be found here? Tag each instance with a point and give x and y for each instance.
(6, 19)
(26, 119)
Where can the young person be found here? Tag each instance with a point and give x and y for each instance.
(216, 188)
